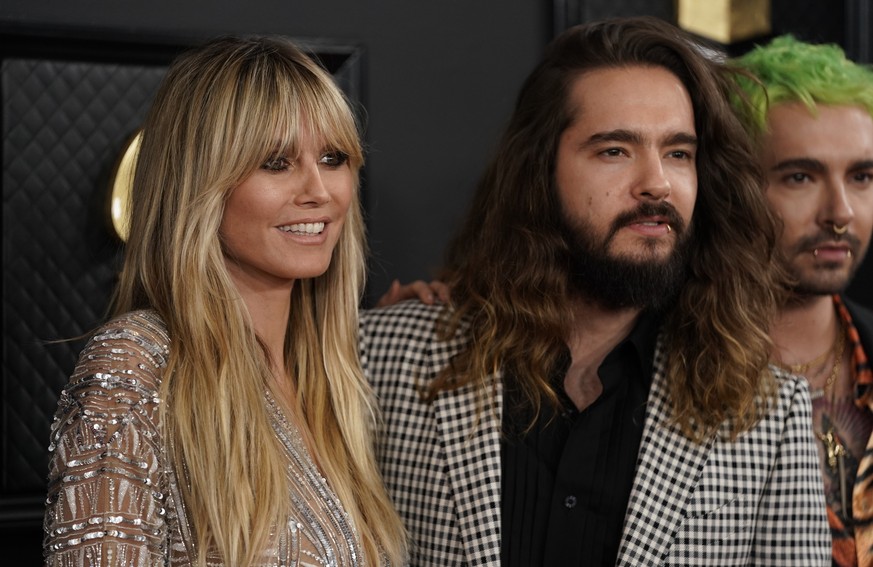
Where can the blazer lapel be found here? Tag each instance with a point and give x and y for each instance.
(668, 468)
(471, 438)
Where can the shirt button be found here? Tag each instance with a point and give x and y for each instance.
(570, 501)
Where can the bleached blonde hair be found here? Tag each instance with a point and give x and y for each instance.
(214, 121)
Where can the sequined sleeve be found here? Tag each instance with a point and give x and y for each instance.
(107, 485)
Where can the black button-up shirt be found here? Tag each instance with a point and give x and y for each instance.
(567, 481)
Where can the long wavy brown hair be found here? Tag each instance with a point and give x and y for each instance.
(508, 266)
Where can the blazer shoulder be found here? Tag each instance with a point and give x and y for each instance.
(405, 338)
(857, 309)
(792, 396)
(408, 321)
(411, 313)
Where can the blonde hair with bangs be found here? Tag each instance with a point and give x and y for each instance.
(221, 112)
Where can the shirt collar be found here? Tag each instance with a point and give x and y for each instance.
(641, 341)
(862, 376)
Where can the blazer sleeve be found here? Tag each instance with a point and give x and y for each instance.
(791, 527)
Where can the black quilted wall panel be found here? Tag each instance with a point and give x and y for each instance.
(63, 125)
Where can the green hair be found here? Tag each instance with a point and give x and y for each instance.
(789, 70)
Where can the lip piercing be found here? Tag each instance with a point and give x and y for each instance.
(669, 228)
(815, 253)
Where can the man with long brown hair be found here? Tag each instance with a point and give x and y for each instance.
(597, 392)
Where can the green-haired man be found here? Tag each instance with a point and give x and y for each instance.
(814, 123)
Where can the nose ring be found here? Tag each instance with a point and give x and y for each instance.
(839, 230)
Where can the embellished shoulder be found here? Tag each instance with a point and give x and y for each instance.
(132, 344)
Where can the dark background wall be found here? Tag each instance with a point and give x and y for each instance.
(438, 80)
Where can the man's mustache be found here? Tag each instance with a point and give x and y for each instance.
(825, 238)
(646, 210)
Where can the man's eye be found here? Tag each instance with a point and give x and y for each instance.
(334, 159)
(680, 154)
(277, 163)
(798, 178)
(863, 177)
(612, 152)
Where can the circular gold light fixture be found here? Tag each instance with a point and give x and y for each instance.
(122, 181)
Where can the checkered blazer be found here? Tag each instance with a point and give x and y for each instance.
(756, 501)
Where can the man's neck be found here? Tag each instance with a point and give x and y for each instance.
(594, 333)
(804, 328)
(596, 325)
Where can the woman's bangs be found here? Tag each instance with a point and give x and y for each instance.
(330, 120)
(289, 102)
(275, 132)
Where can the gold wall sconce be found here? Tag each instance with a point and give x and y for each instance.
(120, 187)
(725, 21)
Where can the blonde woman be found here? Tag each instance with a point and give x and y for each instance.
(221, 418)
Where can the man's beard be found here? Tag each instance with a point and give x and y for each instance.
(824, 278)
(618, 283)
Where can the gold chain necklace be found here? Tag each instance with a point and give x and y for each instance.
(840, 348)
(802, 367)
(834, 448)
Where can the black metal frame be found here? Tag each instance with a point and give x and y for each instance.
(859, 30)
(858, 25)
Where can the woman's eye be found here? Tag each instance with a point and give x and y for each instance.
(277, 163)
(334, 158)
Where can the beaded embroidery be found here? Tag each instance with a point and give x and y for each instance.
(113, 497)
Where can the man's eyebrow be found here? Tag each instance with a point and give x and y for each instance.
(861, 165)
(631, 137)
(627, 136)
(807, 164)
(681, 138)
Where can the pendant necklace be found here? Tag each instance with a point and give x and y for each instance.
(834, 449)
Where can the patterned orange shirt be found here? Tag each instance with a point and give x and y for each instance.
(853, 537)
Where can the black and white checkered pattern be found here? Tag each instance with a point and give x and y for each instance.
(756, 501)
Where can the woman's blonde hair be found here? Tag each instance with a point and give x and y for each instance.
(221, 112)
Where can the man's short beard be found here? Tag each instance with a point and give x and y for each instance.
(809, 287)
(619, 283)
